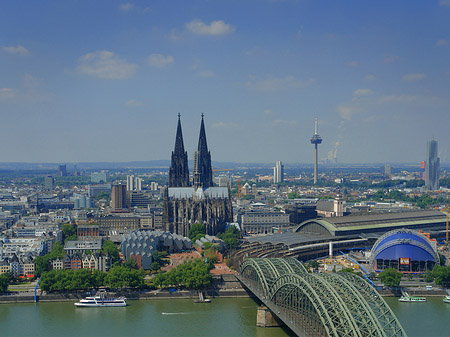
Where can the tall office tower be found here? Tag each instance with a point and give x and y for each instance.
(432, 165)
(49, 182)
(202, 161)
(130, 183)
(387, 170)
(63, 170)
(316, 140)
(118, 196)
(179, 170)
(278, 172)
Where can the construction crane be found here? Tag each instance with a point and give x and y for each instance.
(445, 210)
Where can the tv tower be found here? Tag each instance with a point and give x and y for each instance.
(316, 140)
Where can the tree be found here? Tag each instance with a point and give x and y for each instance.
(57, 251)
(4, 282)
(195, 230)
(390, 277)
(441, 275)
(191, 274)
(111, 248)
(313, 264)
(69, 232)
(231, 237)
(293, 195)
(41, 265)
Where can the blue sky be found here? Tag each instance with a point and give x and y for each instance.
(104, 80)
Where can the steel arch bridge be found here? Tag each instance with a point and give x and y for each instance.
(319, 304)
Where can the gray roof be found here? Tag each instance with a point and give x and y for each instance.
(390, 217)
(189, 192)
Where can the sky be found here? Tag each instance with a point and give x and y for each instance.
(104, 80)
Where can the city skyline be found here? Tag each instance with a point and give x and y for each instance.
(104, 81)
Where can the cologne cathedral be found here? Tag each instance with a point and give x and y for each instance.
(186, 202)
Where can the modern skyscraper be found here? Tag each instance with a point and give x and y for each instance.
(202, 161)
(179, 170)
(62, 170)
(130, 183)
(432, 167)
(278, 172)
(387, 169)
(316, 140)
(49, 182)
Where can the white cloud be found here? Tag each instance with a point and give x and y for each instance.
(441, 43)
(206, 74)
(159, 61)
(362, 92)
(389, 58)
(447, 73)
(214, 28)
(414, 77)
(444, 2)
(7, 93)
(353, 64)
(105, 64)
(370, 77)
(134, 103)
(345, 112)
(398, 99)
(20, 50)
(126, 7)
(267, 112)
(270, 84)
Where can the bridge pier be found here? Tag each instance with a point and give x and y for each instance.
(265, 318)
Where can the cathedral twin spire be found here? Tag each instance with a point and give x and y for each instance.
(179, 171)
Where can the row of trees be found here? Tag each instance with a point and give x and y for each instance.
(4, 282)
(440, 275)
(231, 235)
(192, 274)
(117, 277)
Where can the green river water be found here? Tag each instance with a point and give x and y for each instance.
(222, 317)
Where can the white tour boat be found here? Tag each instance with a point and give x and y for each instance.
(407, 298)
(102, 301)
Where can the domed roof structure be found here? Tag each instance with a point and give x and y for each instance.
(405, 250)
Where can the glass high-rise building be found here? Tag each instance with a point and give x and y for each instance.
(278, 172)
(432, 167)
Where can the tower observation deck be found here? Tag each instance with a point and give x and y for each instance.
(316, 140)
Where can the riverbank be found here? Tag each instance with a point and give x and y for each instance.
(223, 286)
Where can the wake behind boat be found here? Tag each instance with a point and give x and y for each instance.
(102, 301)
(447, 298)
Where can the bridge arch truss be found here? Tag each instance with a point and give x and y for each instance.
(319, 304)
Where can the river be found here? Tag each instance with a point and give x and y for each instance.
(222, 317)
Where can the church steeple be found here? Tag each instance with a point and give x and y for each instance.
(179, 170)
(202, 161)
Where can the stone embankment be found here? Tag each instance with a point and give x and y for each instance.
(225, 285)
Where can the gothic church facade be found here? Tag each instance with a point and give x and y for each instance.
(186, 203)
